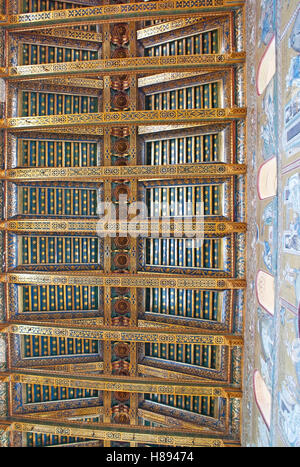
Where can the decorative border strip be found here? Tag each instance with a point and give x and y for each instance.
(140, 385)
(124, 335)
(138, 117)
(131, 64)
(76, 34)
(144, 228)
(141, 435)
(140, 172)
(167, 27)
(121, 12)
(134, 280)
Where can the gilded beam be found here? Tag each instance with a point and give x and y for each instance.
(139, 172)
(144, 130)
(72, 81)
(76, 368)
(138, 117)
(140, 228)
(123, 334)
(69, 414)
(155, 372)
(93, 130)
(173, 25)
(141, 280)
(147, 323)
(119, 384)
(121, 433)
(116, 13)
(131, 65)
(165, 420)
(68, 33)
(99, 322)
(165, 77)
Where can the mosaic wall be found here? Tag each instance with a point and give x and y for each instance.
(272, 365)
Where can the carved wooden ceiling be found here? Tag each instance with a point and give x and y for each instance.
(122, 330)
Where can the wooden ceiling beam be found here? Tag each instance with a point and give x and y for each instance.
(116, 13)
(139, 172)
(191, 228)
(98, 278)
(121, 433)
(131, 65)
(124, 384)
(124, 334)
(136, 117)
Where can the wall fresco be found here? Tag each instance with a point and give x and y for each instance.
(274, 225)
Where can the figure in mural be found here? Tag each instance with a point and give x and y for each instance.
(291, 239)
(292, 193)
(266, 333)
(268, 130)
(291, 133)
(269, 223)
(293, 76)
(291, 236)
(294, 40)
(267, 256)
(293, 350)
(266, 23)
(292, 276)
(269, 215)
(289, 411)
